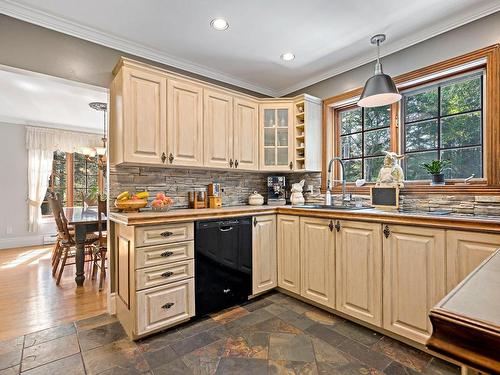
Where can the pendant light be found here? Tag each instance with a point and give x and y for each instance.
(380, 89)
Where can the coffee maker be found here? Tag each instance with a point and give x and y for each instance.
(276, 191)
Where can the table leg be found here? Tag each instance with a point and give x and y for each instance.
(80, 233)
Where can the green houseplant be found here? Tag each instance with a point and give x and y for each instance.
(435, 169)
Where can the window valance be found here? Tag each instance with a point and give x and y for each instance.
(47, 139)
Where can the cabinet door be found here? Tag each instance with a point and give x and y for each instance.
(289, 253)
(359, 270)
(264, 267)
(276, 137)
(145, 116)
(246, 134)
(466, 251)
(185, 123)
(317, 247)
(414, 279)
(218, 129)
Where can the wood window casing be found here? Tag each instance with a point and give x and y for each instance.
(490, 184)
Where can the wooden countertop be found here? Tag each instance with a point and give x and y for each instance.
(466, 323)
(452, 221)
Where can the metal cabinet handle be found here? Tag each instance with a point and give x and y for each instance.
(254, 221)
(387, 231)
(171, 158)
(231, 163)
(331, 226)
(236, 163)
(226, 229)
(167, 274)
(167, 305)
(166, 234)
(337, 226)
(167, 254)
(163, 157)
(291, 165)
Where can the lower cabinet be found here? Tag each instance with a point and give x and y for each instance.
(264, 254)
(359, 270)
(465, 251)
(414, 278)
(317, 258)
(289, 253)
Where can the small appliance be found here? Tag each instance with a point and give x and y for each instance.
(276, 191)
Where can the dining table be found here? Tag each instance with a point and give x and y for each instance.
(84, 220)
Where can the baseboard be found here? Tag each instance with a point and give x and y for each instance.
(112, 303)
(36, 240)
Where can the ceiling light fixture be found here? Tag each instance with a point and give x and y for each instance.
(219, 24)
(288, 56)
(380, 89)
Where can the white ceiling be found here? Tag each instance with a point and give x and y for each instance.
(327, 36)
(36, 99)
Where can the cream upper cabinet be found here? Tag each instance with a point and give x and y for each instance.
(264, 267)
(218, 129)
(246, 134)
(289, 253)
(466, 251)
(276, 136)
(138, 117)
(317, 246)
(414, 278)
(359, 270)
(184, 123)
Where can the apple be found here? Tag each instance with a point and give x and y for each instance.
(160, 196)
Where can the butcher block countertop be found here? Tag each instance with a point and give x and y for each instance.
(420, 218)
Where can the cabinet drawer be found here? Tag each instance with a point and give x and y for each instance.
(163, 254)
(164, 306)
(164, 274)
(160, 234)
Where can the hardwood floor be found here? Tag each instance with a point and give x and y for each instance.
(29, 298)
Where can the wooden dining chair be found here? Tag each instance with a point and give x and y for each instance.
(100, 247)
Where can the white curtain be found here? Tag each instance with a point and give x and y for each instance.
(41, 144)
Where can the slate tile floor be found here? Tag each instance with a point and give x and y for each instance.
(274, 334)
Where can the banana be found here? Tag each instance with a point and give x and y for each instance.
(123, 196)
(142, 195)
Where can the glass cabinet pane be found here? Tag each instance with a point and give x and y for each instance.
(283, 118)
(283, 156)
(282, 137)
(269, 118)
(269, 156)
(269, 137)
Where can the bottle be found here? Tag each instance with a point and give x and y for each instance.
(328, 198)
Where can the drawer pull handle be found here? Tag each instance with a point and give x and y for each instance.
(167, 254)
(166, 234)
(167, 274)
(167, 305)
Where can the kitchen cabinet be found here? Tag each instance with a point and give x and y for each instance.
(308, 134)
(246, 134)
(138, 114)
(317, 258)
(466, 251)
(218, 129)
(276, 136)
(414, 278)
(358, 253)
(184, 123)
(264, 262)
(289, 253)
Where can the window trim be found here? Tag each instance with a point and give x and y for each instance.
(487, 58)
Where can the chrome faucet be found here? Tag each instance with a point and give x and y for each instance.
(328, 177)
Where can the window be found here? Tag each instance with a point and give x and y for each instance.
(444, 121)
(73, 176)
(364, 134)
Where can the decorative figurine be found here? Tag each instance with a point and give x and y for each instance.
(391, 174)
(297, 197)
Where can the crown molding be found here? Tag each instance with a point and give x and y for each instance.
(56, 23)
(53, 22)
(390, 48)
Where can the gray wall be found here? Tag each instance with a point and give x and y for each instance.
(470, 37)
(30, 47)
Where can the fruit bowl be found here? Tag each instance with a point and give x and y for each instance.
(131, 205)
(162, 208)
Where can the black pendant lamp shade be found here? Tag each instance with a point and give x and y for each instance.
(380, 89)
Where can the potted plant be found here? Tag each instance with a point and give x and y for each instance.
(92, 196)
(435, 169)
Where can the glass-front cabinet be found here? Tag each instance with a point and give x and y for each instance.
(276, 137)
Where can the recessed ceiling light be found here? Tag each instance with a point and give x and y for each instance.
(287, 56)
(219, 24)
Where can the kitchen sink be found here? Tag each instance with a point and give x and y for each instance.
(329, 207)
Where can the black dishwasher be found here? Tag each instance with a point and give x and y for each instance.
(223, 264)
